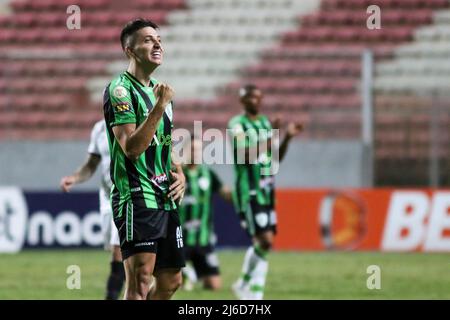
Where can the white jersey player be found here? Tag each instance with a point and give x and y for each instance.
(98, 154)
(98, 146)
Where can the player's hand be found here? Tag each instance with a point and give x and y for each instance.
(67, 183)
(276, 122)
(178, 187)
(294, 128)
(163, 93)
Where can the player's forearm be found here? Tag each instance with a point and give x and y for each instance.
(178, 167)
(284, 146)
(141, 138)
(83, 173)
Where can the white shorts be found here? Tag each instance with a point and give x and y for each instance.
(109, 230)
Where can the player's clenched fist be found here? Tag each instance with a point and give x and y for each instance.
(294, 128)
(67, 183)
(163, 93)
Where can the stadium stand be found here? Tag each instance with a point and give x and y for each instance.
(45, 67)
(306, 55)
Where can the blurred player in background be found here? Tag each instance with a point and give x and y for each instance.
(196, 214)
(98, 154)
(145, 191)
(255, 187)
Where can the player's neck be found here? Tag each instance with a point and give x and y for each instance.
(252, 116)
(140, 73)
(192, 166)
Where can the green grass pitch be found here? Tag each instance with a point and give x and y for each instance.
(292, 275)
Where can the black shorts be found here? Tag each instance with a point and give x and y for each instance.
(154, 231)
(204, 260)
(259, 218)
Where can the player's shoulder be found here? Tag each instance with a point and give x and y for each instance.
(120, 86)
(265, 120)
(98, 127)
(237, 119)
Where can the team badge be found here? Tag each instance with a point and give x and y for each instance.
(120, 92)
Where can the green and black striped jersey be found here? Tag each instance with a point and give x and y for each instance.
(253, 181)
(145, 182)
(196, 212)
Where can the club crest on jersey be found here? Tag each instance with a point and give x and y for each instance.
(120, 92)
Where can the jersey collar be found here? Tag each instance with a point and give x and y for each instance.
(136, 81)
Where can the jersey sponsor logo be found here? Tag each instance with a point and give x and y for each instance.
(13, 218)
(122, 108)
(120, 92)
(160, 179)
(262, 219)
(136, 189)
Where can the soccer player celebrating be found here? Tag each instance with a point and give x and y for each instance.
(197, 219)
(254, 187)
(98, 153)
(145, 190)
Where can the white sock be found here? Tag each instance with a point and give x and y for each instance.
(258, 279)
(189, 272)
(250, 262)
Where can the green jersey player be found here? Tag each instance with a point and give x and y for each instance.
(145, 191)
(196, 215)
(252, 135)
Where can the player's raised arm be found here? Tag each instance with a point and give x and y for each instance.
(134, 141)
(83, 173)
(294, 128)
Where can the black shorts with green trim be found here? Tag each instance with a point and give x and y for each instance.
(154, 231)
(204, 259)
(259, 218)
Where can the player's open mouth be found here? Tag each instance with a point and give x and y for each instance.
(156, 55)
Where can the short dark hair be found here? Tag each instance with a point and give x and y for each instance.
(133, 26)
(246, 89)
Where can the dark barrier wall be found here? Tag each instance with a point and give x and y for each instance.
(55, 220)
